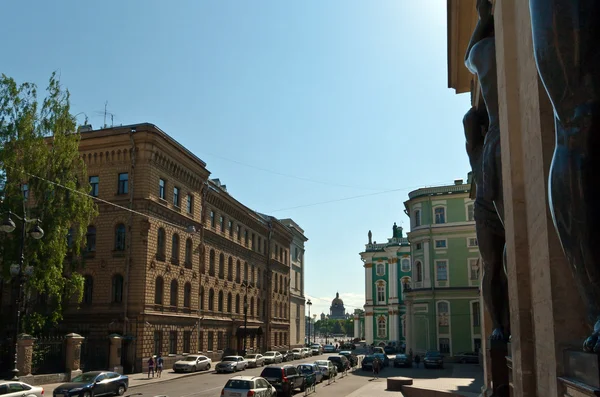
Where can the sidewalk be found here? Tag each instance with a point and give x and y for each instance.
(141, 379)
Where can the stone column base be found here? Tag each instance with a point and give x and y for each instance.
(497, 352)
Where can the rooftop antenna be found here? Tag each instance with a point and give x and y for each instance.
(105, 106)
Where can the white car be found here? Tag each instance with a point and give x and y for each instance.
(329, 370)
(316, 349)
(20, 389)
(255, 360)
(231, 364)
(248, 386)
(192, 363)
(307, 351)
(298, 353)
(273, 357)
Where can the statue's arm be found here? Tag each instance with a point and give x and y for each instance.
(482, 29)
(473, 121)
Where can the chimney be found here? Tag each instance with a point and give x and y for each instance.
(458, 181)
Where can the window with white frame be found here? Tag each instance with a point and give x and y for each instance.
(472, 242)
(476, 314)
(417, 214)
(441, 244)
(445, 345)
(470, 212)
(381, 327)
(419, 271)
(443, 310)
(380, 293)
(474, 269)
(405, 265)
(380, 269)
(440, 215)
(441, 270)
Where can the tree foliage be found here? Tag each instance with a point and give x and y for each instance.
(39, 148)
(329, 326)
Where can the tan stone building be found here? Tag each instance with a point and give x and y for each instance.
(547, 315)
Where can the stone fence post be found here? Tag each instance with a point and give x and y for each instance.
(24, 354)
(114, 360)
(73, 355)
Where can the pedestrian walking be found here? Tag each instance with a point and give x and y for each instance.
(159, 365)
(151, 367)
(376, 367)
(417, 360)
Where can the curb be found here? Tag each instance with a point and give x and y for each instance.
(212, 371)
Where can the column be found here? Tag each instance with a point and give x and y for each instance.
(369, 327)
(369, 283)
(24, 354)
(73, 355)
(393, 281)
(114, 358)
(356, 326)
(426, 265)
(409, 326)
(393, 325)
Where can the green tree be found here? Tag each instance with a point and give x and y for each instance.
(337, 327)
(39, 148)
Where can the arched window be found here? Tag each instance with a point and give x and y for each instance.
(380, 269)
(417, 218)
(280, 284)
(220, 302)
(419, 271)
(201, 298)
(159, 287)
(245, 271)
(238, 271)
(237, 304)
(188, 253)
(117, 288)
(88, 289)
(160, 243)
(440, 215)
(276, 288)
(281, 310)
(230, 269)
(229, 302)
(258, 307)
(258, 278)
(187, 295)
(120, 237)
(211, 300)
(175, 248)
(211, 263)
(221, 266)
(405, 265)
(285, 285)
(252, 307)
(252, 274)
(443, 313)
(174, 293)
(381, 293)
(381, 327)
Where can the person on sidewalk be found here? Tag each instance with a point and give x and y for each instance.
(151, 366)
(417, 360)
(159, 365)
(376, 367)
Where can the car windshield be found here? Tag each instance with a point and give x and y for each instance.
(335, 359)
(306, 369)
(190, 358)
(250, 356)
(368, 359)
(297, 350)
(400, 356)
(271, 372)
(269, 353)
(239, 384)
(229, 358)
(322, 363)
(345, 353)
(90, 377)
(433, 354)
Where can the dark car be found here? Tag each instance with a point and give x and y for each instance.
(94, 383)
(389, 350)
(433, 359)
(467, 357)
(367, 362)
(288, 355)
(351, 357)
(284, 378)
(383, 358)
(402, 360)
(342, 364)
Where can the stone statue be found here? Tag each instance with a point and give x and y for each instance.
(370, 237)
(567, 53)
(394, 230)
(482, 133)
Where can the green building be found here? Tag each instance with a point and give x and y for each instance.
(443, 305)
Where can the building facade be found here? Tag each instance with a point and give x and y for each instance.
(387, 273)
(442, 299)
(297, 301)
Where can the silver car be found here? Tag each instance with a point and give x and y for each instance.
(20, 389)
(273, 357)
(255, 360)
(248, 386)
(231, 364)
(192, 363)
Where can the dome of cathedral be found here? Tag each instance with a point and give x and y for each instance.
(337, 301)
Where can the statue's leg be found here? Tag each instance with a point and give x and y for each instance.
(566, 37)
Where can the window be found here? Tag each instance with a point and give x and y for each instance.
(175, 248)
(440, 215)
(220, 339)
(190, 204)
(230, 227)
(380, 269)
(443, 313)
(117, 288)
(162, 193)
(258, 307)
(230, 269)
(381, 327)
(474, 269)
(476, 314)
(222, 224)
(201, 298)
(88, 289)
(94, 182)
(210, 341)
(159, 286)
(157, 342)
(472, 242)
(187, 337)
(419, 246)
(229, 302)
(120, 237)
(417, 218)
(238, 271)
(212, 219)
(123, 187)
(174, 293)
(211, 263)
(245, 271)
(444, 345)
(238, 230)
(419, 271)
(187, 295)
(253, 242)
(211, 300)
(259, 247)
(220, 302)
(295, 254)
(252, 307)
(441, 270)
(160, 242)
(252, 274)
(172, 342)
(188, 253)
(90, 239)
(25, 191)
(237, 304)
(176, 197)
(470, 212)
(380, 293)
(246, 237)
(405, 265)
(221, 266)
(258, 278)
(440, 244)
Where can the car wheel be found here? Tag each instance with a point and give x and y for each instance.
(195, 369)
(87, 394)
(121, 390)
(303, 386)
(208, 367)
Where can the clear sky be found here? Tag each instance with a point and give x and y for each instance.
(291, 103)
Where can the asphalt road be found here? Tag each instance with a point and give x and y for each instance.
(210, 384)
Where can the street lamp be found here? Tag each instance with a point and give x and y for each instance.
(314, 333)
(19, 271)
(247, 285)
(309, 304)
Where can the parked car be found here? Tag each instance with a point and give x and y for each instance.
(298, 353)
(20, 389)
(248, 386)
(340, 362)
(316, 349)
(378, 349)
(329, 349)
(231, 364)
(273, 357)
(389, 349)
(192, 363)
(285, 378)
(433, 359)
(94, 383)
(467, 357)
(367, 362)
(288, 355)
(402, 360)
(311, 372)
(255, 360)
(350, 356)
(307, 352)
(383, 358)
(328, 368)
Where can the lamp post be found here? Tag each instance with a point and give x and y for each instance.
(18, 271)
(309, 304)
(247, 285)
(314, 333)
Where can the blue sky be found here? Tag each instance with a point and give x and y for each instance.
(291, 104)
